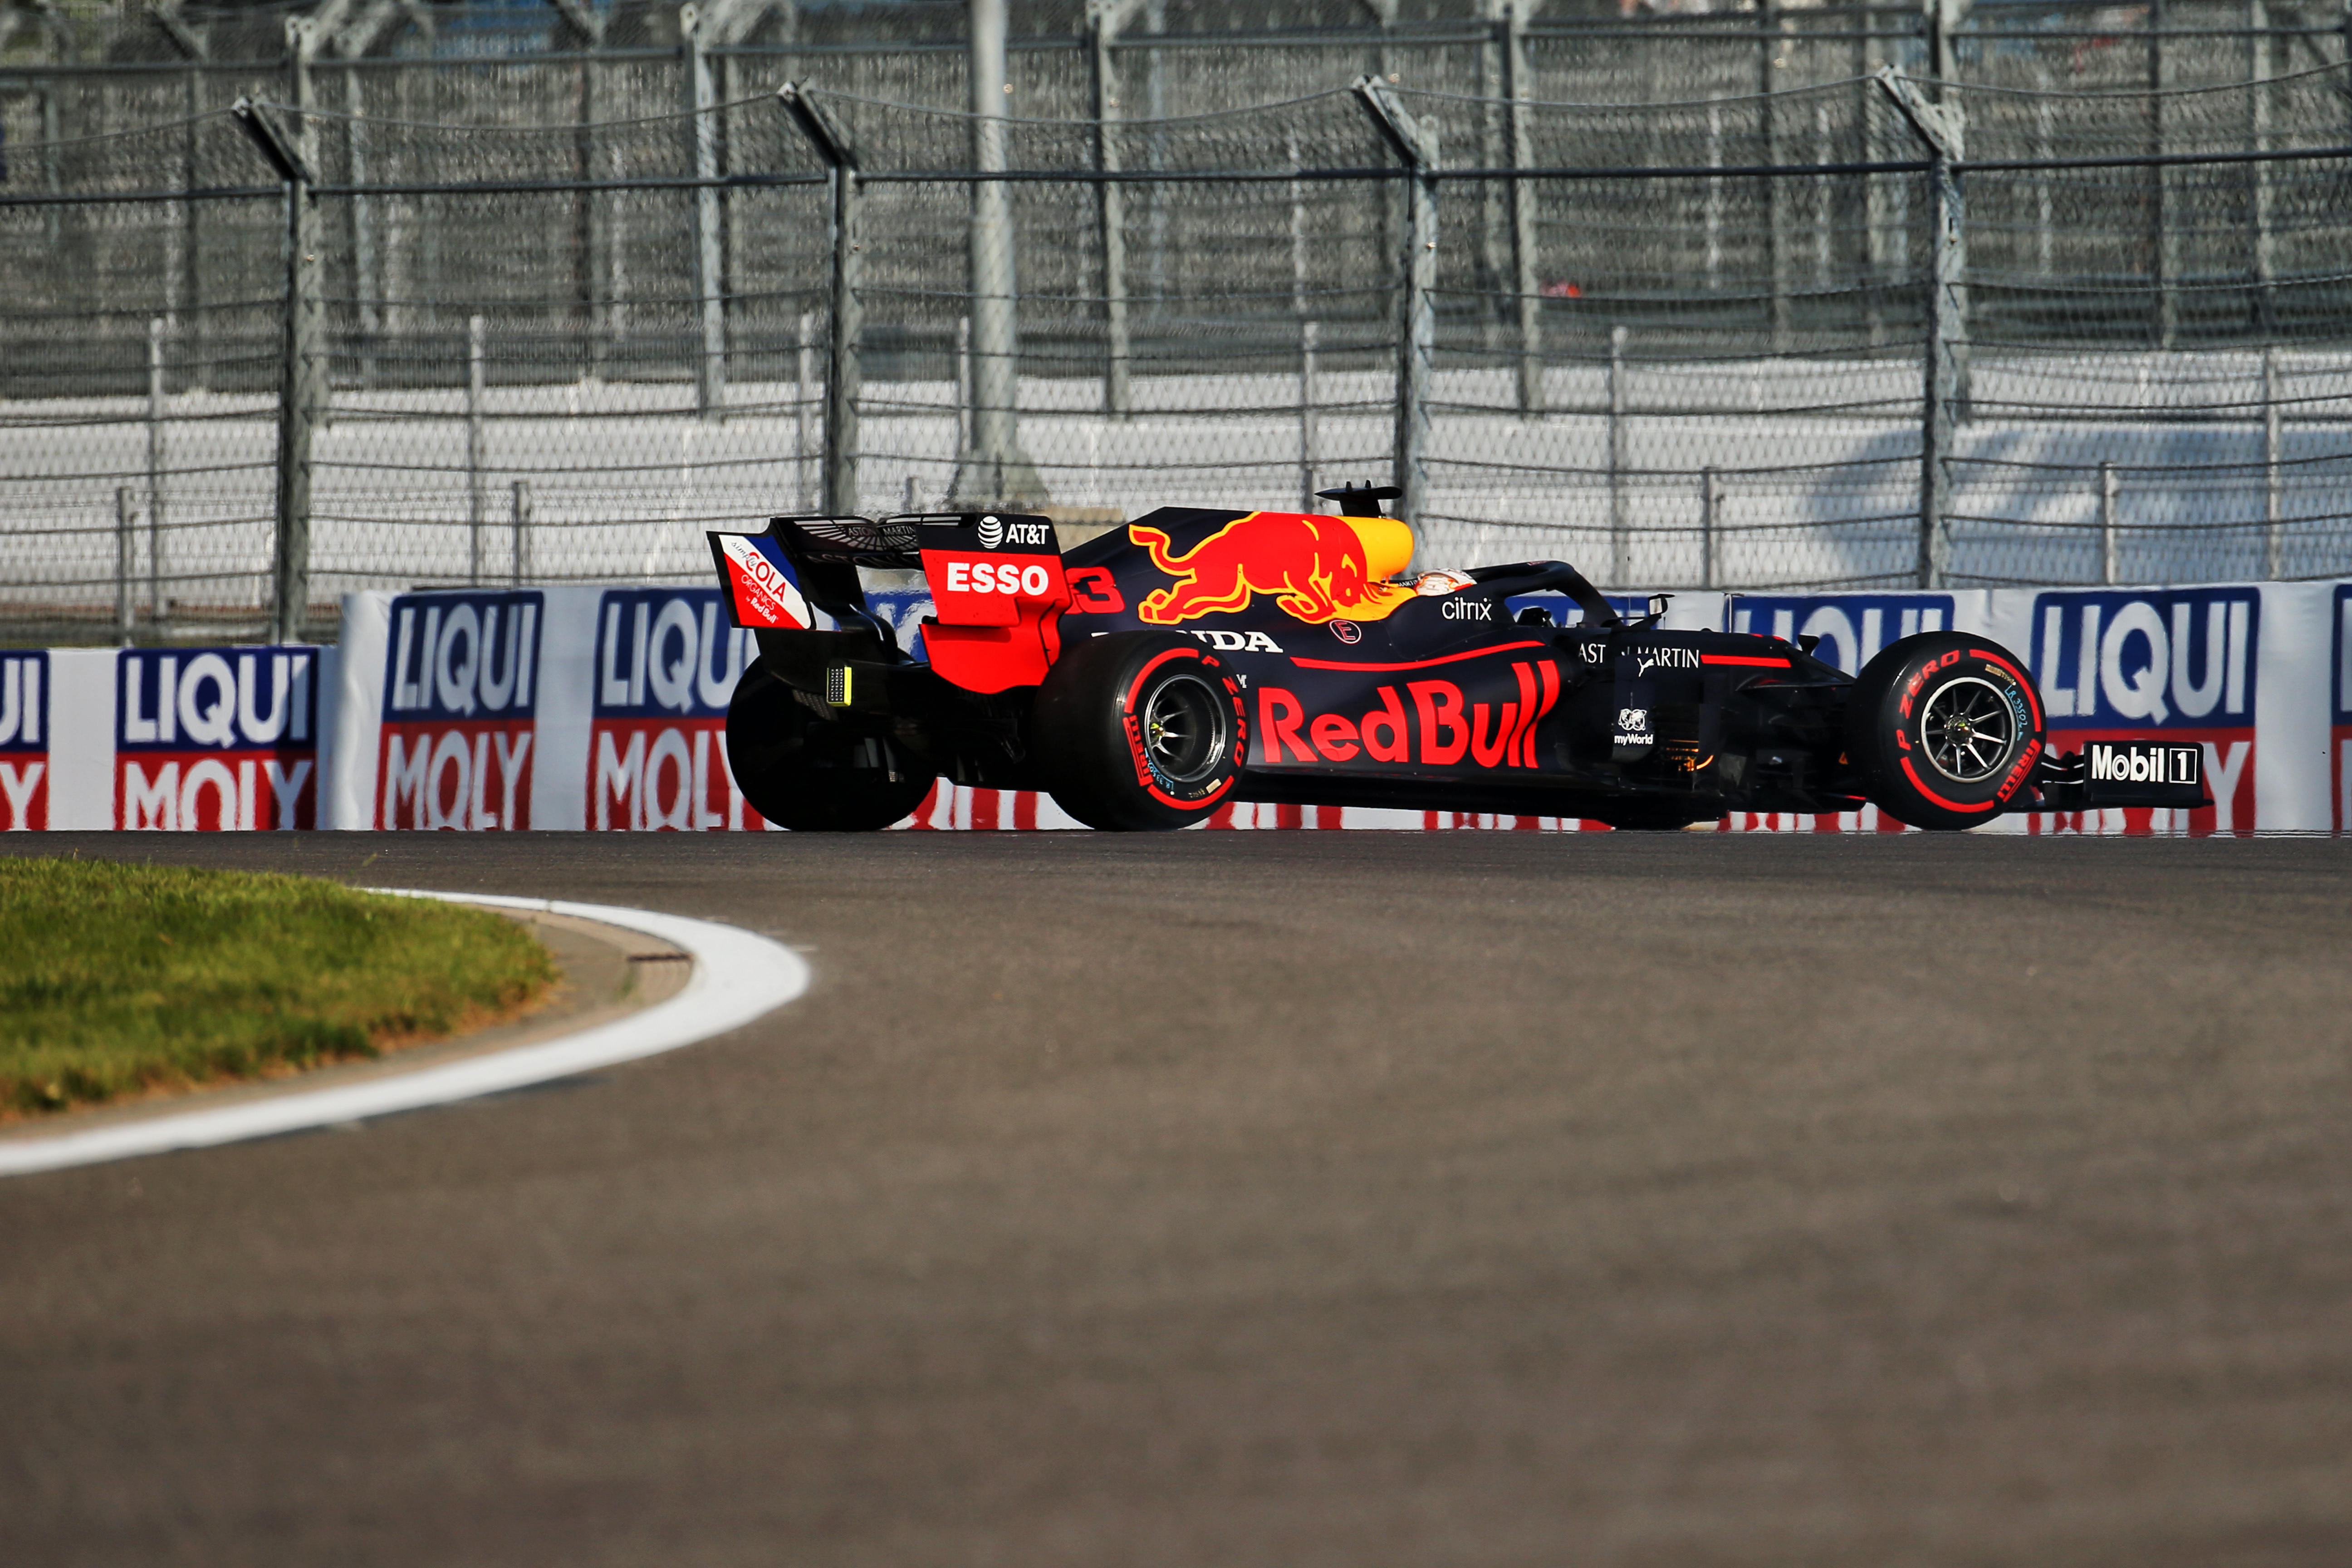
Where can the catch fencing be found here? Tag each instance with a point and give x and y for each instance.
(545, 318)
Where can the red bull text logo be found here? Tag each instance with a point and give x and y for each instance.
(1444, 728)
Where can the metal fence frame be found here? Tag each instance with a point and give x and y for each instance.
(1415, 174)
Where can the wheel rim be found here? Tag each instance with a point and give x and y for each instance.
(1968, 730)
(1186, 729)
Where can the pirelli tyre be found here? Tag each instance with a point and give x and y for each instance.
(805, 773)
(1140, 731)
(1944, 730)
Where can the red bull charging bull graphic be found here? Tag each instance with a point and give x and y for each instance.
(667, 660)
(2126, 674)
(217, 739)
(461, 712)
(1316, 569)
(24, 741)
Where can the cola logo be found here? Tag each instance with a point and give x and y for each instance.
(992, 533)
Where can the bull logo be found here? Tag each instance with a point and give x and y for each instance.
(1321, 568)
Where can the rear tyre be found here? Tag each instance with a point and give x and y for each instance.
(808, 773)
(1944, 730)
(1140, 731)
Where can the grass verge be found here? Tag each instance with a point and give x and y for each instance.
(123, 978)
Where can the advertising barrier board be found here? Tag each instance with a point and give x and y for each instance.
(605, 708)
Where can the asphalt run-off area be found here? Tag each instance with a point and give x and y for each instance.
(1274, 1199)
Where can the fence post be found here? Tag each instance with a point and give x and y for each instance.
(1714, 194)
(2258, 46)
(1621, 533)
(803, 374)
(124, 510)
(1944, 382)
(302, 361)
(994, 471)
(1415, 145)
(709, 279)
(1308, 331)
(1710, 502)
(476, 502)
(1104, 19)
(1770, 29)
(2110, 546)
(155, 473)
(519, 520)
(963, 383)
(2273, 509)
(2163, 261)
(1526, 286)
(833, 148)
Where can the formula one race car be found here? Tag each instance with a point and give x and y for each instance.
(1200, 656)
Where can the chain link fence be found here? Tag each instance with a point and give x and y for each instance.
(1757, 329)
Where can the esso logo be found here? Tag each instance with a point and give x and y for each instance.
(1032, 581)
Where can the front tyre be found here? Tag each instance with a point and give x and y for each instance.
(808, 773)
(1140, 731)
(1944, 730)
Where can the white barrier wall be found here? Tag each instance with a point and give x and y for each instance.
(605, 708)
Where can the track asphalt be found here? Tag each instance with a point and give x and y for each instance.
(1275, 1199)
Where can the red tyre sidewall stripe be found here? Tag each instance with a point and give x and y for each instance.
(1135, 740)
(1912, 773)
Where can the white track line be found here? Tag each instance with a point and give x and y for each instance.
(737, 977)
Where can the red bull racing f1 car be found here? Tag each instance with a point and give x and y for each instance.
(1199, 657)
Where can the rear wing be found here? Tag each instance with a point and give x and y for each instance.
(996, 582)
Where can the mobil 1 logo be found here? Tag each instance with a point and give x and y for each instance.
(2125, 762)
(461, 712)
